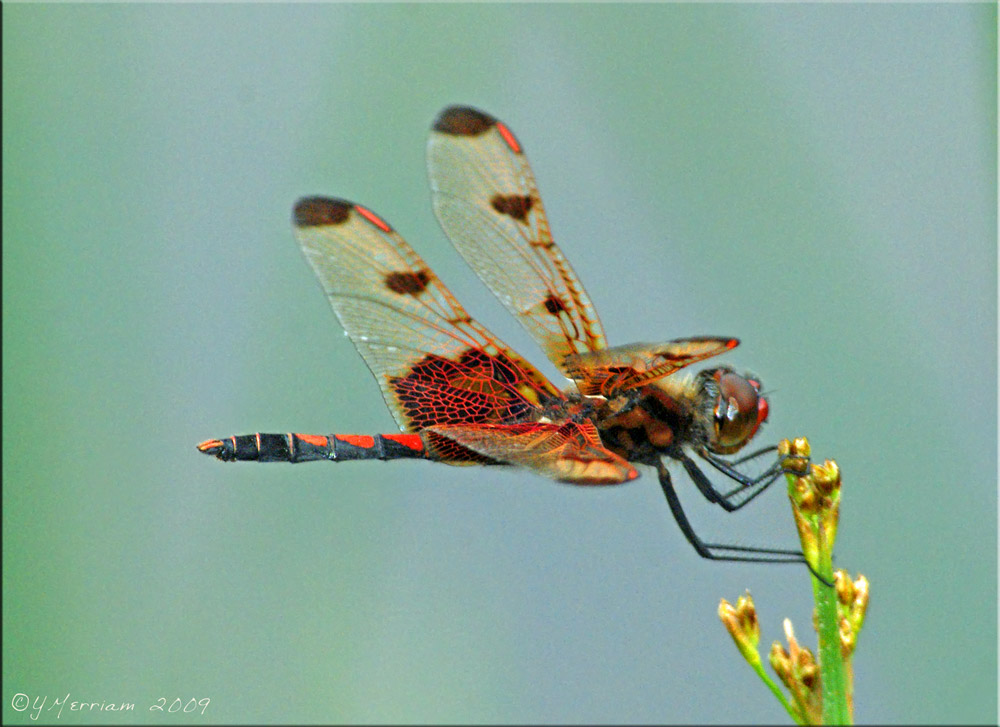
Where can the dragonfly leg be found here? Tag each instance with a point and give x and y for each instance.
(719, 551)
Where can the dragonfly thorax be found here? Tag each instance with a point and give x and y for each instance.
(717, 410)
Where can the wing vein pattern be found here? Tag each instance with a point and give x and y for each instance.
(433, 362)
(487, 201)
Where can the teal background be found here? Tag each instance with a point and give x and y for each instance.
(819, 180)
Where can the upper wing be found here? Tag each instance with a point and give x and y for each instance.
(615, 370)
(434, 363)
(487, 201)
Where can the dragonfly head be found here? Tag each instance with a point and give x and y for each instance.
(738, 408)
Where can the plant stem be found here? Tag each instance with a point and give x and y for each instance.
(836, 710)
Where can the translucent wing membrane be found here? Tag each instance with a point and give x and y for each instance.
(488, 204)
(434, 363)
(615, 370)
(567, 451)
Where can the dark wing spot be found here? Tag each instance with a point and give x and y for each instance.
(319, 211)
(463, 121)
(513, 205)
(554, 305)
(408, 283)
(673, 356)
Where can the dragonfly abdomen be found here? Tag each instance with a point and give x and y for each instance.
(294, 448)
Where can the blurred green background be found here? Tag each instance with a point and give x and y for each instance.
(819, 180)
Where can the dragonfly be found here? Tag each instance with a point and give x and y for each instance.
(461, 396)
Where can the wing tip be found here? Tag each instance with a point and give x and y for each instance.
(324, 211)
(463, 121)
(321, 211)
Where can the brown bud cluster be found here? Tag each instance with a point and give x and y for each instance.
(852, 604)
(797, 668)
(741, 622)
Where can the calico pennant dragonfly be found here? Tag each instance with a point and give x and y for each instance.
(462, 396)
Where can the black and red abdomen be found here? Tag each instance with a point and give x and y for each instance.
(313, 447)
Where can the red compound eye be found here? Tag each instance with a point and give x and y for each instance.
(739, 410)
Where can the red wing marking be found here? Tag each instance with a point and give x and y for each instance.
(434, 363)
(373, 218)
(508, 136)
(566, 451)
(615, 370)
(487, 201)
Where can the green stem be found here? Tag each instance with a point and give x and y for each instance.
(836, 710)
(759, 668)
